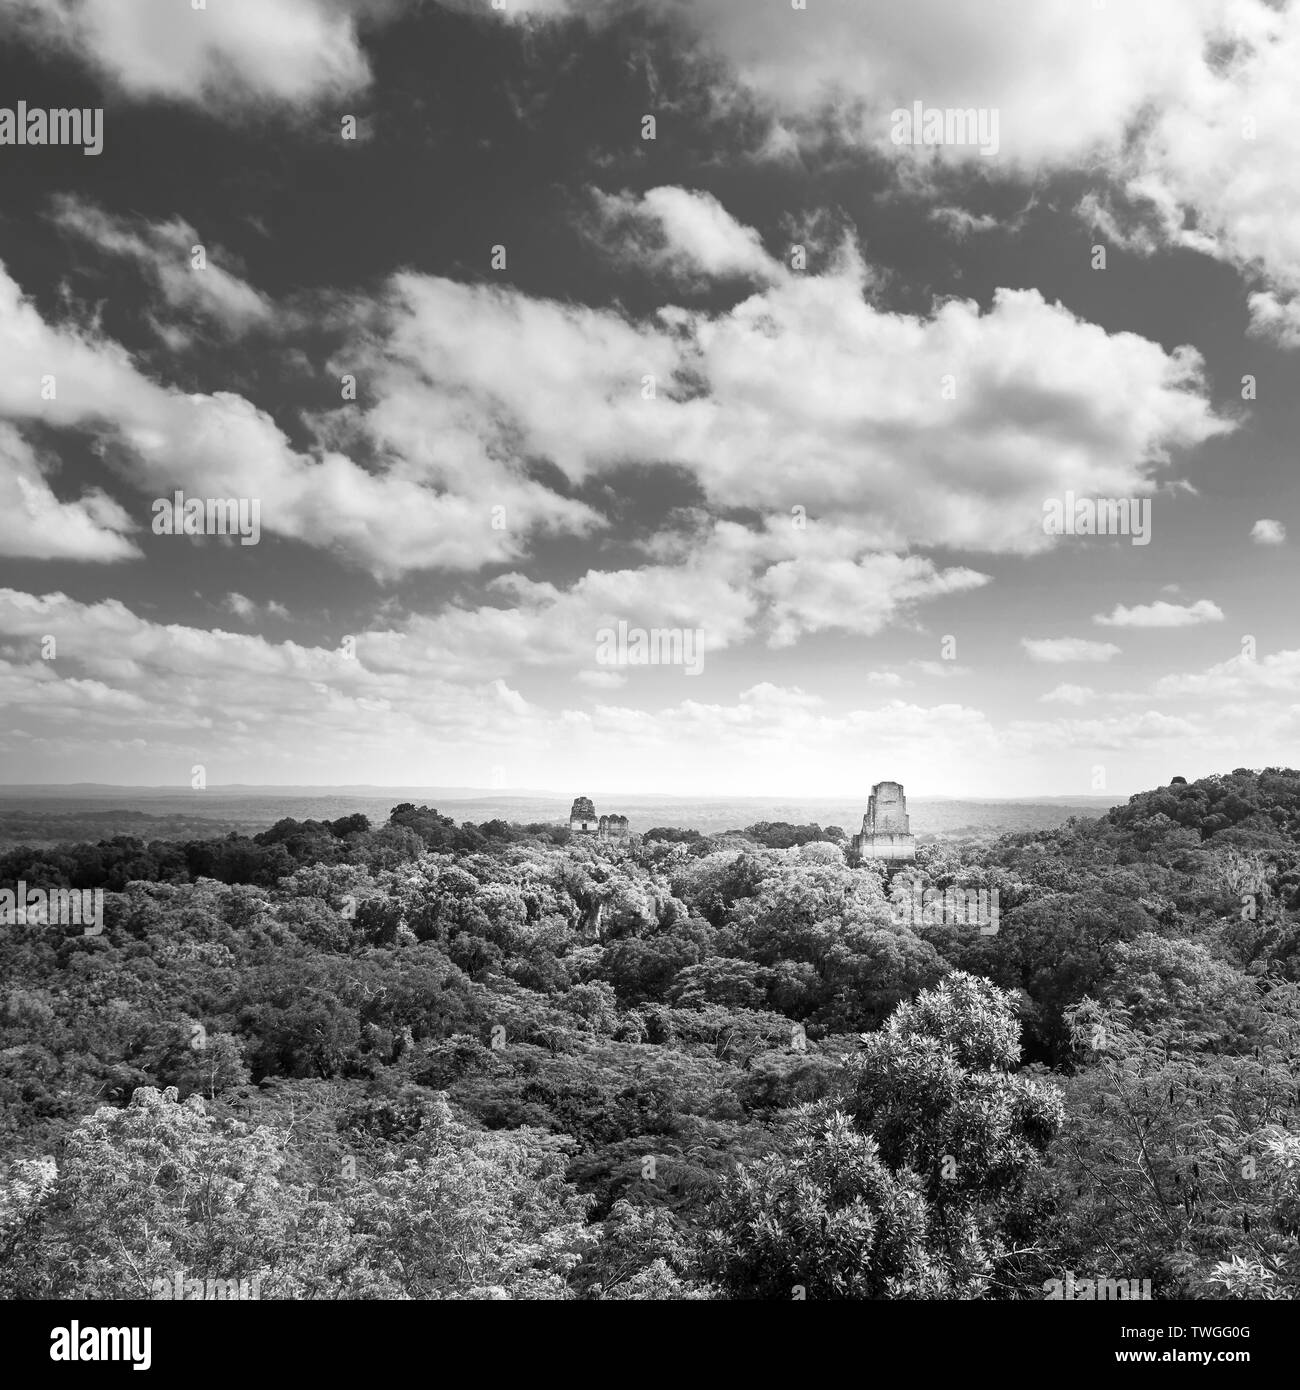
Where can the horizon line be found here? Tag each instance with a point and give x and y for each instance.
(487, 793)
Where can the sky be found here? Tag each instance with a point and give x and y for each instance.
(537, 338)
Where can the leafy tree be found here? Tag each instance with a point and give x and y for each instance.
(936, 1088)
(825, 1218)
(1178, 1163)
(464, 1214)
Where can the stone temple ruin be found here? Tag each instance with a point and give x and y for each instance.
(583, 821)
(886, 828)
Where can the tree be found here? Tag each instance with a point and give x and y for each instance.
(468, 1214)
(1182, 1164)
(825, 1218)
(161, 1187)
(643, 1254)
(937, 1090)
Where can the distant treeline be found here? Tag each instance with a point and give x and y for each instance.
(1263, 807)
(22, 825)
(262, 859)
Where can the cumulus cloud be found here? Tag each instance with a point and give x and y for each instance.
(372, 717)
(1224, 147)
(943, 429)
(1161, 614)
(939, 429)
(1058, 650)
(533, 624)
(685, 233)
(1114, 733)
(389, 520)
(839, 68)
(1275, 318)
(812, 595)
(295, 712)
(1183, 107)
(1241, 676)
(283, 705)
(35, 524)
(1187, 104)
(727, 582)
(229, 53)
(1268, 532)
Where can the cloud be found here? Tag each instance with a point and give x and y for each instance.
(1268, 532)
(602, 680)
(1097, 211)
(1271, 317)
(942, 670)
(1162, 614)
(1240, 676)
(813, 595)
(35, 524)
(1183, 109)
(687, 234)
(246, 608)
(1223, 146)
(286, 706)
(530, 624)
(803, 394)
(730, 583)
(1186, 104)
(1113, 734)
(130, 699)
(962, 223)
(230, 53)
(283, 706)
(1057, 650)
(1067, 694)
(838, 69)
(163, 252)
(400, 516)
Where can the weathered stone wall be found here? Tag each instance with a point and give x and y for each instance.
(886, 828)
(887, 810)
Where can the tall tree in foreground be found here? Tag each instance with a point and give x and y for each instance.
(908, 1194)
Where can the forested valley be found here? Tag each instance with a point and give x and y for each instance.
(424, 1060)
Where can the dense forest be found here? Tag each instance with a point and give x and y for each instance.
(430, 1060)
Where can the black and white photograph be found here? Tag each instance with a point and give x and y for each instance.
(649, 653)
